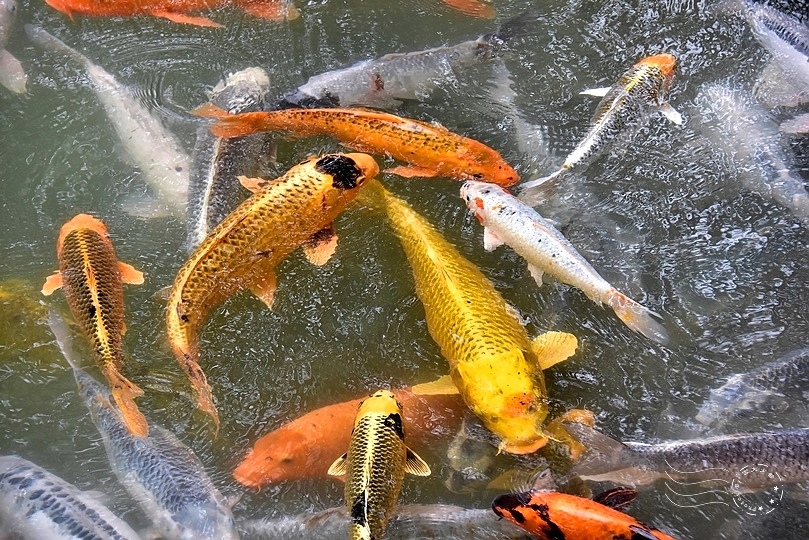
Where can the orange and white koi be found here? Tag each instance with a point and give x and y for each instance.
(431, 150)
(91, 277)
(506, 220)
(244, 249)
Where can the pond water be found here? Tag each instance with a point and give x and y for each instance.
(664, 216)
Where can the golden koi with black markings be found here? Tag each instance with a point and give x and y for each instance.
(92, 278)
(242, 252)
(495, 366)
(375, 465)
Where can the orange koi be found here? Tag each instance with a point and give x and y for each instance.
(242, 252)
(91, 277)
(551, 515)
(473, 8)
(431, 150)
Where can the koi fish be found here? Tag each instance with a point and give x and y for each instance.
(304, 447)
(242, 252)
(12, 74)
(147, 143)
(175, 10)
(375, 465)
(431, 150)
(553, 515)
(640, 89)
(161, 473)
(216, 163)
(493, 364)
(507, 220)
(35, 503)
(384, 82)
(473, 8)
(92, 276)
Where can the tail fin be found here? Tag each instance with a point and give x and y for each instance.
(603, 453)
(40, 37)
(239, 125)
(124, 393)
(201, 387)
(637, 317)
(473, 8)
(530, 192)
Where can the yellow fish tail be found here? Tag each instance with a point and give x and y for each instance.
(124, 393)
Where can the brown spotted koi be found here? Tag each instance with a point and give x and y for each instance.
(431, 150)
(242, 252)
(91, 277)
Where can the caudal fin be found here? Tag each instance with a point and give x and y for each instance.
(124, 393)
(637, 317)
(234, 125)
(201, 387)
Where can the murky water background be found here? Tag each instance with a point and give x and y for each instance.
(663, 217)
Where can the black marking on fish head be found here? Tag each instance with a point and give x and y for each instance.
(394, 421)
(517, 504)
(344, 171)
(509, 503)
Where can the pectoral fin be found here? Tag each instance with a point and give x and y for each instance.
(339, 467)
(321, 246)
(411, 172)
(53, 282)
(264, 288)
(596, 92)
(415, 465)
(182, 18)
(536, 273)
(551, 348)
(129, 274)
(670, 113)
(616, 498)
(442, 386)
(252, 184)
(490, 240)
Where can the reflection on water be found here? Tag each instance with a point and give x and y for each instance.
(663, 216)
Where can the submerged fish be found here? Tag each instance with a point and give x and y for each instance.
(35, 504)
(507, 220)
(242, 252)
(493, 363)
(551, 515)
(305, 447)
(641, 89)
(473, 8)
(175, 10)
(92, 279)
(715, 460)
(150, 146)
(375, 465)
(406, 523)
(214, 190)
(738, 126)
(12, 75)
(384, 82)
(751, 390)
(162, 474)
(431, 150)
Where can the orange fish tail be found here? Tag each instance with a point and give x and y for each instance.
(239, 125)
(473, 8)
(124, 393)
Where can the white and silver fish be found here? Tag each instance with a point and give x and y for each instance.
(738, 126)
(752, 390)
(785, 81)
(714, 460)
(38, 505)
(506, 220)
(384, 82)
(216, 163)
(162, 474)
(150, 146)
(12, 74)
(407, 523)
(640, 90)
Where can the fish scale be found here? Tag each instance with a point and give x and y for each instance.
(243, 250)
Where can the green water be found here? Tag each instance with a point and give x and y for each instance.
(662, 217)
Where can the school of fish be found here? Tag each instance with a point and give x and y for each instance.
(243, 222)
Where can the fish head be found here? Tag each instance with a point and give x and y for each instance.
(381, 402)
(242, 91)
(477, 196)
(733, 397)
(346, 172)
(210, 519)
(664, 62)
(290, 452)
(81, 221)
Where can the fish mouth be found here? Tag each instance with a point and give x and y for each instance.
(523, 448)
(665, 62)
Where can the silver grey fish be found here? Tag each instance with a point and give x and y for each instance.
(38, 505)
(750, 391)
(409, 522)
(150, 146)
(162, 474)
(12, 75)
(745, 461)
(384, 82)
(216, 163)
(786, 81)
(741, 128)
